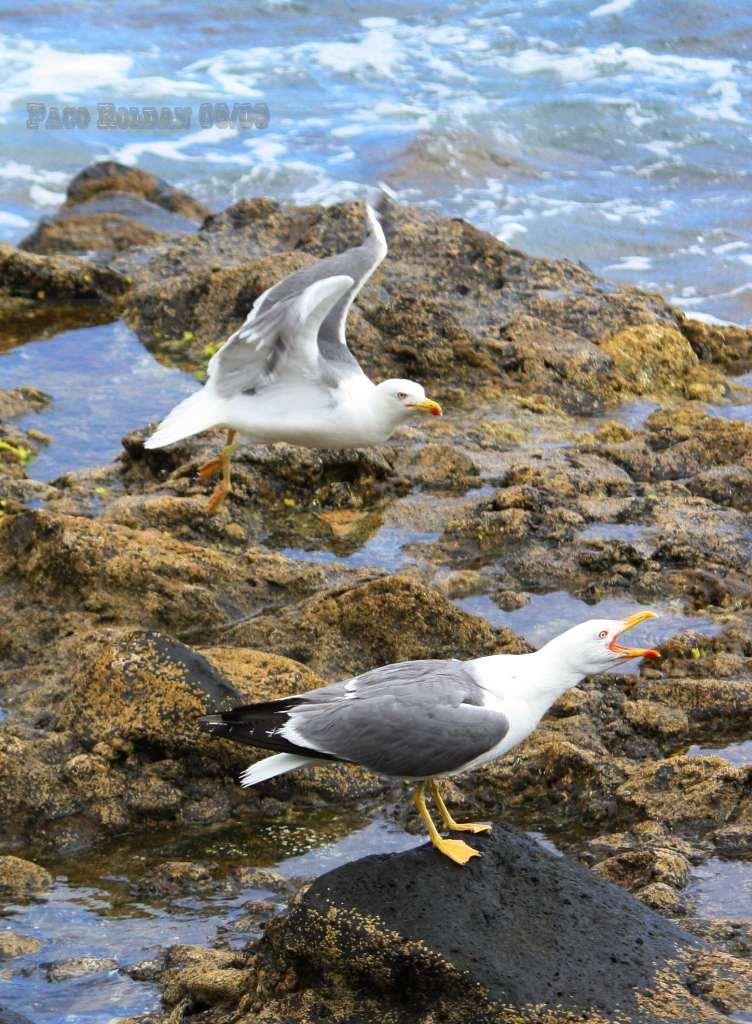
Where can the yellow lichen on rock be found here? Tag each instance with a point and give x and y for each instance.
(657, 359)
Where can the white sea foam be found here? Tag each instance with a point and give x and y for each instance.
(708, 318)
(510, 230)
(613, 7)
(631, 263)
(13, 220)
(34, 69)
(726, 97)
(581, 64)
(42, 196)
(174, 149)
(377, 51)
(720, 250)
(25, 172)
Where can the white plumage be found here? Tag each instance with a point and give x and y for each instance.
(426, 720)
(288, 375)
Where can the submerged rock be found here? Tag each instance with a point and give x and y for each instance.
(78, 967)
(12, 945)
(22, 878)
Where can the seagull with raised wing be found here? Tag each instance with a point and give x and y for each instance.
(427, 720)
(288, 375)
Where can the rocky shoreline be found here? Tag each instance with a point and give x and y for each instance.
(127, 612)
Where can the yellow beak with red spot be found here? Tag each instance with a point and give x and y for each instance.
(633, 652)
(428, 405)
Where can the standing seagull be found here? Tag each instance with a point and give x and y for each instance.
(288, 375)
(426, 720)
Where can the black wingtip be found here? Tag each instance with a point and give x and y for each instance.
(215, 725)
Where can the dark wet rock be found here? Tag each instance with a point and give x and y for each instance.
(440, 467)
(108, 176)
(88, 232)
(20, 401)
(120, 574)
(78, 967)
(21, 878)
(734, 840)
(281, 475)
(681, 443)
(689, 793)
(408, 936)
(726, 345)
(724, 485)
(12, 944)
(54, 279)
(175, 878)
(144, 688)
(347, 630)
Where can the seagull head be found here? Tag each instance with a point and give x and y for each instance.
(402, 398)
(596, 645)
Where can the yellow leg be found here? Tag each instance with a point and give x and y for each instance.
(215, 466)
(455, 849)
(448, 820)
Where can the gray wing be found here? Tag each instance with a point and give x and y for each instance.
(279, 343)
(414, 719)
(358, 263)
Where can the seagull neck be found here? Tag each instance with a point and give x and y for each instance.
(554, 673)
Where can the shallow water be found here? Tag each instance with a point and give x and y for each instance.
(103, 384)
(739, 754)
(614, 133)
(90, 910)
(630, 532)
(547, 615)
(386, 549)
(722, 888)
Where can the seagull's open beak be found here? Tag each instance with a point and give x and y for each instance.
(633, 652)
(428, 405)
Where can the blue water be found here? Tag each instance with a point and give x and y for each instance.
(547, 615)
(103, 384)
(617, 133)
(95, 918)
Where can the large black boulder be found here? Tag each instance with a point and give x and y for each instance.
(518, 928)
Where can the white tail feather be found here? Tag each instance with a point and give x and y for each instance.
(191, 416)
(271, 766)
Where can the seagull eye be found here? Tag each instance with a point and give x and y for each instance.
(401, 395)
(603, 634)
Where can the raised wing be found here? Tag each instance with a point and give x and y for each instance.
(359, 263)
(279, 343)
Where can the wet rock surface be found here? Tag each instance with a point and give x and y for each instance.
(521, 934)
(127, 612)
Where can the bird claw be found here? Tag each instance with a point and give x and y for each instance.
(456, 850)
(219, 494)
(210, 469)
(469, 826)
